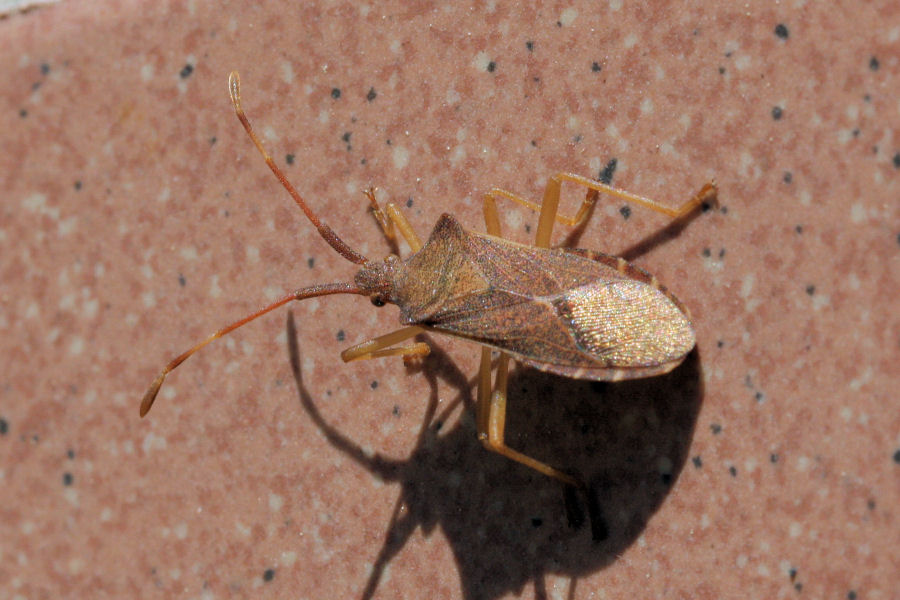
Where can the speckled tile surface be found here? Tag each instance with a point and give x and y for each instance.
(137, 217)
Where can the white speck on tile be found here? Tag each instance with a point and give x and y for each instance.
(287, 72)
(27, 527)
(188, 253)
(846, 413)
(106, 514)
(615, 5)
(647, 106)
(630, 41)
(269, 133)
(288, 558)
(214, 290)
(802, 463)
(148, 299)
(482, 60)
(458, 155)
(747, 285)
(181, 531)
(763, 571)
(452, 96)
(242, 529)
(795, 529)
(396, 46)
(153, 442)
(742, 62)
(35, 202)
(252, 253)
(76, 345)
(573, 123)
(400, 156)
(164, 195)
(704, 521)
(857, 212)
(324, 116)
(568, 16)
(741, 561)
(75, 565)
(71, 496)
(805, 198)
(147, 72)
(820, 301)
(275, 502)
(750, 465)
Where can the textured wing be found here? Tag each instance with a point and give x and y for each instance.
(575, 313)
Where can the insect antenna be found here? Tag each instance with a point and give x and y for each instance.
(301, 294)
(234, 90)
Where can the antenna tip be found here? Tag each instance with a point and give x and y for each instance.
(234, 88)
(152, 391)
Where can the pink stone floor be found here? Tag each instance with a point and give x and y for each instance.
(136, 217)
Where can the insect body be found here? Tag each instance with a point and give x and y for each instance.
(572, 312)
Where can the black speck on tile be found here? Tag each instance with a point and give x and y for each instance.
(77, 185)
(606, 175)
(371, 95)
(810, 289)
(897, 161)
(492, 66)
(721, 70)
(70, 454)
(781, 31)
(409, 202)
(792, 573)
(698, 462)
(788, 177)
(68, 479)
(871, 504)
(186, 71)
(289, 159)
(529, 45)
(536, 522)
(269, 575)
(595, 67)
(798, 586)
(897, 457)
(4, 426)
(625, 211)
(773, 458)
(715, 428)
(777, 112)
(799, 228)
(374, 385)
(346, 137)
(335, 93)
(23, 113)
(851, 595)
(874, 64)
(341, 336)
(707, 252)
(310, 262)
(213, 140)
(45, 68)
(720, 343)
(733, 471)
(395, 411)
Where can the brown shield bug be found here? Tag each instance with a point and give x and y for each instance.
(576, 313)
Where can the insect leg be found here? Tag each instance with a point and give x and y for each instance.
(391, 217)
(491, 421)
(551, 205)
(707, 194)
(382, 346)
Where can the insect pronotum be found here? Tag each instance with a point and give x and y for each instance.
(576, 313)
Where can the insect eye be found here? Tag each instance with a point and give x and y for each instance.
(378, 301)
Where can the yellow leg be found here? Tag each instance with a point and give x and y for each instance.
(391, 217)
(549, 206)
(491, 417)
(382, 346)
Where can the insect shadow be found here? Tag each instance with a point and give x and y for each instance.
(508, 525)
